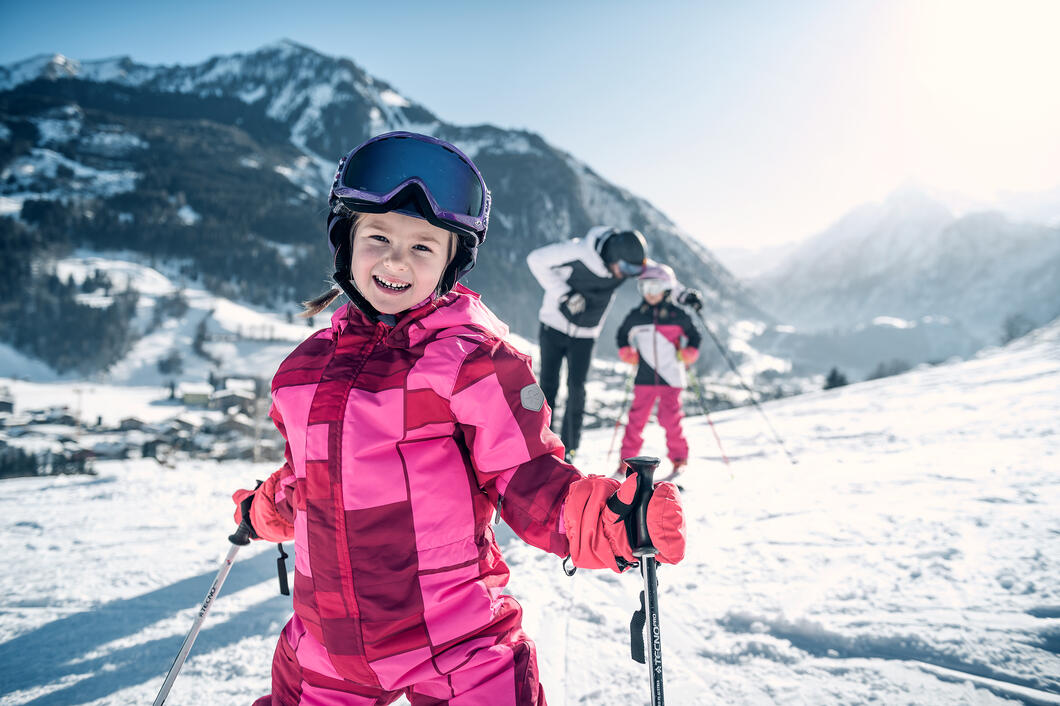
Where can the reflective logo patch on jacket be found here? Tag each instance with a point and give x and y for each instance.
(532, 397)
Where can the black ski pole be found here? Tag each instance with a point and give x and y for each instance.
(739, 378)
(240, 538)
(697, 388)
(644, 550)
(622, 413)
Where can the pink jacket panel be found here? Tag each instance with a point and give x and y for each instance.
(400, 443)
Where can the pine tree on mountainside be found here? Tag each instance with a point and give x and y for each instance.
(834, 379)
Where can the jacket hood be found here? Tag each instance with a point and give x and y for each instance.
(462, 307)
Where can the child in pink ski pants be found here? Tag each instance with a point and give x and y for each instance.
(660, 339)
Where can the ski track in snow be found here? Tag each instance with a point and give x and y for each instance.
(912, 556)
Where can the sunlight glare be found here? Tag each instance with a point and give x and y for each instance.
(982, 107)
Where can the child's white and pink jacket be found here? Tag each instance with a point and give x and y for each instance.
(401, 442)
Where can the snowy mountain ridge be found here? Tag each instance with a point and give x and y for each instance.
(290, 111)
(910, 257)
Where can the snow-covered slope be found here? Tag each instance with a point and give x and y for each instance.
(911, 557)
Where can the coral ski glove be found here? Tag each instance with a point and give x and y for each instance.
(258, 508)
(628, 354)
(689, 355)
(597, 535)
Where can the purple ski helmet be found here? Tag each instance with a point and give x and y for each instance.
(656, 279)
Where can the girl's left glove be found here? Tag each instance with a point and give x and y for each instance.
(597, 535)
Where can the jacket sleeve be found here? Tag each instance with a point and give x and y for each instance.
(273, 509)
(544, 264)
(690, 331)
(622, 337)
(517, 460)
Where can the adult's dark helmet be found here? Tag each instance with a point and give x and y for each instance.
(624, 246)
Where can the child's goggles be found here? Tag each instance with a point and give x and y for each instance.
(653, 286)
(378, 175)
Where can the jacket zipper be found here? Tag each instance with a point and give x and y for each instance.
(655, 342)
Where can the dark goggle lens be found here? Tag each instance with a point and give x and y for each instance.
(381, 166)
(629, 269)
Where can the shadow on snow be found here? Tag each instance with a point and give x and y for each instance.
(55, 652)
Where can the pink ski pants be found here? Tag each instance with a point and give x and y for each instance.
(503, 673)
(670, 416)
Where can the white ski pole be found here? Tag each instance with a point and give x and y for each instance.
(241, 538)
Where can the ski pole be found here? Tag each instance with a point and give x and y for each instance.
(644, 550)
(739, 378)
(622, 413)
(240, 538)
(706, 411)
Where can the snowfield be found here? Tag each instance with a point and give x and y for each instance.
(912, 556)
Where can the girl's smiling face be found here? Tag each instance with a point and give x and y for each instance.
(398, 260)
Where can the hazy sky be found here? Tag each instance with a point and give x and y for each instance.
(749, 123)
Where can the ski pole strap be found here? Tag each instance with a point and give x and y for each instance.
(620, 508)
(636, 633)
(281, 570)
(568, 566)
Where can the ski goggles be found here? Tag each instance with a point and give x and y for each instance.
(379, 174)
(653, 286)
(630, 269)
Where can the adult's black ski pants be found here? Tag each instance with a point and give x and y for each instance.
(555, 346)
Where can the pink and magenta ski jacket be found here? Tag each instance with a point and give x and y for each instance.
(401, 442)
(655, 331)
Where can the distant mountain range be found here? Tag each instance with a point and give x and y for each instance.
(910, 258)
(224, 167)
(219, 172)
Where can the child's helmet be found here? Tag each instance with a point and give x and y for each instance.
(416, 175)
(624, 246)
(656, 279)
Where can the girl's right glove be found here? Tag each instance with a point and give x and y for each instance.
(257, 508)
(628, 354)
(597, 536)
(244, 500)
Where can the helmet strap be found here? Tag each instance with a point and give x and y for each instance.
(344, 278)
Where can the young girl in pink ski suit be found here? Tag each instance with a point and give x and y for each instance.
(660, 338)
(409, 422)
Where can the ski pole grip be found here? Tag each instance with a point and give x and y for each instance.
(637, 526)
(242, 535)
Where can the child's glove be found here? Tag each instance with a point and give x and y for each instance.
(689, 355)
(628, 354)
(597, 535)
(244, 499)
(691, 298)
(261, 517)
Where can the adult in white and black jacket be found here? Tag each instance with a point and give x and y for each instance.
(579, 277)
